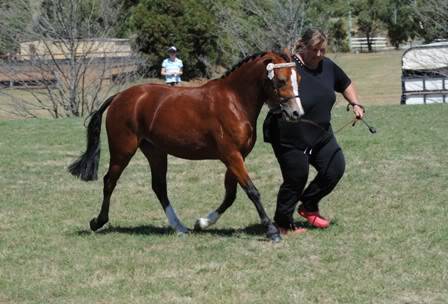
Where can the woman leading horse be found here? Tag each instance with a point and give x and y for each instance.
(214, 121)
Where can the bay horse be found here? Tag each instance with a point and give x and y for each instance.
(217, 120)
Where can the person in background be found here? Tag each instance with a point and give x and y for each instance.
(172, 67)
(310, 141)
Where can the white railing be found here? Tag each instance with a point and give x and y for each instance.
(360, 44)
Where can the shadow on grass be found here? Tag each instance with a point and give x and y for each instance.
(139, 230)
(334, 223)
(252, 230)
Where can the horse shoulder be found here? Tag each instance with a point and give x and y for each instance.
(233, 123)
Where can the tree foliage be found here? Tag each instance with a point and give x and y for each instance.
(400, 21)
(188, 24)
(221, 32)
(13, 24)
(432, 19)
(255, 25)
(369, 14)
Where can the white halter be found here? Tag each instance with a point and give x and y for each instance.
(270, 68)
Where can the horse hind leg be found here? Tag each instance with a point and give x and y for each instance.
(119, 159)
(158, 162)
(230, 183)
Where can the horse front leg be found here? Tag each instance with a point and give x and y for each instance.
(235, 163)
(230, 183)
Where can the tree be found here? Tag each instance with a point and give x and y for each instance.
(432, 17)
(338, 36)
(369, 14)
(400, 21)
(11, 27)
(66, 53)
(189, 25)
(257, 25)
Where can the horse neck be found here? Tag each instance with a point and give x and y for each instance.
(247, 82)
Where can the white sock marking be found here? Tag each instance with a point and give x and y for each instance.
(173, 220)
(211, 219)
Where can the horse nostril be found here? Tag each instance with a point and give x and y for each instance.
(295, 113)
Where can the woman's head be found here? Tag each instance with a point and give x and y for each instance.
(310, 38)
(312, 46)
(172, 51)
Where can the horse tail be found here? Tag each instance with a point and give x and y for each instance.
(86, 166)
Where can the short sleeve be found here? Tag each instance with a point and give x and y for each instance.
(181, 65)
(341, 80)
(164, 63)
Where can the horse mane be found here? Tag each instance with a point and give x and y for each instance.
(250, 58)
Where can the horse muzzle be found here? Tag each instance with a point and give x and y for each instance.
(292, 109)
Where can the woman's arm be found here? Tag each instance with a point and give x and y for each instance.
(351, 96)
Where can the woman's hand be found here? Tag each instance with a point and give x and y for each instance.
(359, 111)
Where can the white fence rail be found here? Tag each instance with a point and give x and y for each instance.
(361, 45)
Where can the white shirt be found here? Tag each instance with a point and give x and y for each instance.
(172, 67)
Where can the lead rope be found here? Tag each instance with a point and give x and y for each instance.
(352, 122)
(355, 120)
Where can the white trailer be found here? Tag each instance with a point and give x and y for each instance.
(424, 77)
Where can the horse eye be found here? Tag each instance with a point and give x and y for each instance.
(281, 83)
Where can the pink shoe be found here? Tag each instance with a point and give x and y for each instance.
(314, 218)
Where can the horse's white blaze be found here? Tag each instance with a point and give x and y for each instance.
(173, 220)
(211, 219)
(295, 88)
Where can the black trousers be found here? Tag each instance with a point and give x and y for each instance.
(294, 162)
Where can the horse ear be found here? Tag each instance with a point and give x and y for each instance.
(267, 61)
(287, 51)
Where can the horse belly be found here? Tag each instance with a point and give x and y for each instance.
(190, 146)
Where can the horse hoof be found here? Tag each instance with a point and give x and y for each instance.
(276, 238)
(197, 226)
(181, 230)
(95, 224)
(182, 233)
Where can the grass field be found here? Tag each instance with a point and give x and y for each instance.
(388, 242)
(377, 76)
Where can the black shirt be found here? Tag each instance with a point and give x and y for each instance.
(317, 89)
(317, 93)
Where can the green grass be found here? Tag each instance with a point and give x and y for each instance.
(377, 76)
(388, 242)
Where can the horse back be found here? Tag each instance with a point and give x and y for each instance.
(188, 122)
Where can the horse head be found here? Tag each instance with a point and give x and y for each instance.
(282, 85)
